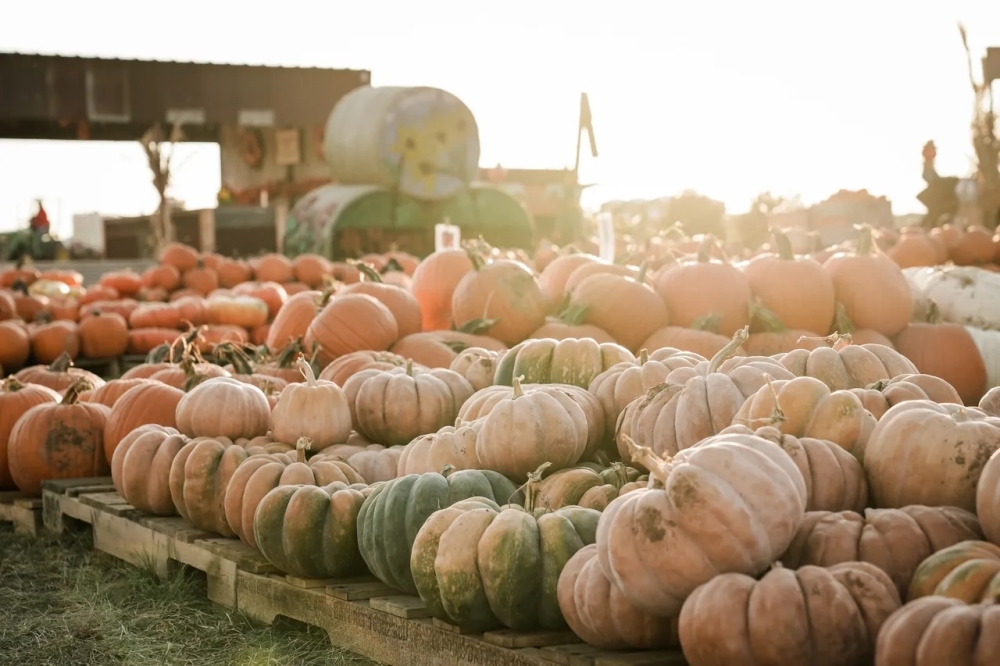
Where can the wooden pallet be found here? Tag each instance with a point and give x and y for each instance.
(359, 614)
(107, 368)
(21, 509)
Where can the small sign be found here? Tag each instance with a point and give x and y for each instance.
(287, 149)
(186, 116)
(447, 237)
(255, 118)
(606, 236)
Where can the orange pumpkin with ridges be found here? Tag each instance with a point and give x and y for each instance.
(16, 399)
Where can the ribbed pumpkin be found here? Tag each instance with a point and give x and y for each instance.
(803, 617)
(394, 512)
(149, 403)
(58, 440)
(15, 345)
(311, 531)
(547, 361)
(847, 366)
(554, 276)
(894, 540)
(317, 410)
(991, 402)
(988, 498)
(923, 452)
(938, 630)
(502, 294)
(697, 341)
(140, 468)
(103, 335)
(438, 349)
(625, 307)
(480, 566)
(570, 325)
(350, 323)
(969, 570)
(346, 366)
(402, 304)
(877, 398)
(110, 393)
(16, 399)
(477, 365)
(454, 446)
(433, 285)
(224, 407)
(374, 462)
(946, 351)
(583, 486)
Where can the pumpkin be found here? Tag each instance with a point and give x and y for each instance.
(955, 294)
(189, 372)
(201, 279)
(294, 317)
(522, 432)
(438, 349)
(348, 365)
(591, 269)
(871, 287)
(547, 361)
(695, 402)
(140, 468)
(947, 351)
(374, 462)
(317, 409)
(658, 544)
(433, 285)
(626, 308)
(350, 323)
(771, 343)
(937, 630)
(805, 407)
(991, 402)
(969, 570)
(583, 486)
(877, 398)
(394, 512)
(974, 246)
(552, 279)
(273, 267)
(16, 399)
(835, 480)
(454, 446)
(401, 303)
(701, 342)
(923, 452)
(233, 272)
(199, 477)
(847, 366)
(271, 293)
(58, 376)
(245, 311)
(916, 248)
(15, 345)
(180, 256)
(103, 335)
(623, 382)
(341, 271)
(150, 403)
(311, 531)
(570, 325)
(57, 440)
(224, 407)
(50, 341)
(811, 615)
(8, 309)
(479, 566)
(162, 276)
(311, 269)
(988, 498)
(145, 340)
(894, 540)
(259, 474)
(503, 295)
(477, 365)
(126, 282)
(600, 614)
(109, 394)
(797, 292)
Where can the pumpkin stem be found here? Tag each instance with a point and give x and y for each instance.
(518, 391)
(72, 395)
(10, 385)
(880, 385)
(730, 350)
(307, 370)
(530, 488)
(641, 275)
(447, 469)
(764, 318)
(643, 356)
(934, 313)
(705, 250)
(574, 315)
(659, 468)
(409, 367)
(367, 271)
(478, 261)
(783, 245)
(290, 354)
(620, 473)
(709, 323)
(842, 322)
(304, 444)
(865, 244)
(62, 363)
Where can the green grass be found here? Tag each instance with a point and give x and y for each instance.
(63, 604)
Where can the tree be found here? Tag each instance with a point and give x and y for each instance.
(159, 151)
(984, 141)
(696, 213)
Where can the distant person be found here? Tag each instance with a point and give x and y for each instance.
(40, 222)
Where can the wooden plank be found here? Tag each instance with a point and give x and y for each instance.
(128, 540)
(175, 527)
(80, 490)
(74, 508)
(220, 571)
(357, 627)
(650, 658)
(32, 503)
(311, 583)
(246, 557)
(359, 591)
(8, 496)
(112, 503)
(454, 628)
(62, 485)
(52, 515)
(24, 514)
(404, 606)
(577, 654)
(530, 639)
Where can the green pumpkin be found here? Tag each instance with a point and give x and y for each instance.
(480, 567)
(395, 511)
(311, 531)
(584, 486)
(571, 361)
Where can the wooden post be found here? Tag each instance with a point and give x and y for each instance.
(281, 206)
(206, 229)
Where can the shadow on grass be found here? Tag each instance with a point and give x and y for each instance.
(62, 604)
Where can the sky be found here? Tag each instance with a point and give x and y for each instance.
(725, 97)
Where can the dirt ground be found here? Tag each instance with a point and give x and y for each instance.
(63, 604)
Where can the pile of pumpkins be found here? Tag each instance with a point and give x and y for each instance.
(511, 448)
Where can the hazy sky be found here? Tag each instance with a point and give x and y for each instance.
(729, 98)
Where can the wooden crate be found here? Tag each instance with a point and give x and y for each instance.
(23, 510)
(359, 614)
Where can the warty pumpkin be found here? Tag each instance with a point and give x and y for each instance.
(894, 540)
(140, 468)
(848, 366)
(477, 365)
(628, 309)
(480, 566)
(502, 293)
(394, 512)
(937, 630)
(809, 616)
(224, 407)
(547, 361)
(317, 409)
(658, 544)
(350, 323)
(454, 446)
(601, 615)
(311, 531)
(151, 403)
(969, 570)
(922, 452)
(15, 400)
(57, 440)
(877, 398)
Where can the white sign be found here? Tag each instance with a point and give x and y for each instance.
(88, 230)
(186, 116)
(255, 118)
(606, 236)
(447, 237)
(287, 150)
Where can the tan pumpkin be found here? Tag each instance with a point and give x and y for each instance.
(600, 614)
(835, 480)
(626, 308)
(199, 476)
(894, 540)
(394, 406)
(658, 544)
(438, 349)
(701, 342)
(935, 631)
(587, 487)
(477, 365)
(343, 368)
(317, 410)
(224, 407)
(991, 402)
(803, 617)
(452, 445)
(969, 570)
(140, 468)
(923, 452)
(373, 461)
(503, 294)
(988, 498)
(151, 403)
(916, 248)
(847, 366)
(805, 407)
(877, 398)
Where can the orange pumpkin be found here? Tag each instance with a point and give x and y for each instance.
(294, 317)
(973, 247)
(99, 293)
(162, 276)
(877, 398)
(145, 340)
(916, 248)
(103, 335)
(345, 272)
(438, 349)
(344, 367)
(351, 323)
(224, 407)
(109, 394)
(406, 261)
(16, 399)
(140, 468)
(553, 277)
(201, 279)
(433, 285)
(703, 343)
(126, 283)
(503, 296)
(311, 269)
(401, 303)
(155, 315)
(946, 351)
(15, 345)
(180, 256)
(232, 272)
(273, 267)
(245, 311)
(271, 293)
(8, 309)
(124, 307)
(68, 278)
(58, 440)
(149, 403)
(624, 307)
(58, 376)
(601, 268)
(22, 271)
